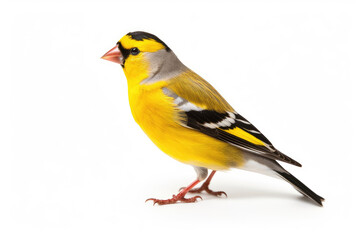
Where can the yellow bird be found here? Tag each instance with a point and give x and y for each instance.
(190, 121)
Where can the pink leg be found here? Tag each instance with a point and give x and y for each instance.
(205, 187)
(180, 197)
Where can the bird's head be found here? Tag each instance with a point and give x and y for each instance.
(144, 58)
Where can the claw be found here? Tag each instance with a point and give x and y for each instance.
(178, 197)
(151, 199)
(209, 191)
(223, 193)
(196, 197)
(173, 200)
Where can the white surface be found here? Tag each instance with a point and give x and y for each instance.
(74, 165)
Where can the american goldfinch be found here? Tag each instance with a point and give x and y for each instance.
(190, 121)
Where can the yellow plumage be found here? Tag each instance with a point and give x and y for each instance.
(189, 120)
(156, 115)
(159, 119)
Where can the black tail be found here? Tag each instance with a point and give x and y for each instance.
(301, 187)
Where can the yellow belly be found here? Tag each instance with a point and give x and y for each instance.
(156, 115)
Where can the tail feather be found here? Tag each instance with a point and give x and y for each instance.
(301, 187)
(287, 159)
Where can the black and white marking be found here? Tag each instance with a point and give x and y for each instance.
(212, 123)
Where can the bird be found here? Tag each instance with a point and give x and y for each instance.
(190, 121)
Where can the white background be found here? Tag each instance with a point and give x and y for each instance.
(74, 164)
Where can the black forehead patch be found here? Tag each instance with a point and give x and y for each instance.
(140, 36)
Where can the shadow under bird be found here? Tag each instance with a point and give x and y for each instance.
(190, 121)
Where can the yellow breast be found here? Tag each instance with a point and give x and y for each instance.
(156, 115)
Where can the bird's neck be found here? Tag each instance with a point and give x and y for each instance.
(135, 74)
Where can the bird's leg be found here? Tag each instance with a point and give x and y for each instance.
(205, 187)
(180, 197)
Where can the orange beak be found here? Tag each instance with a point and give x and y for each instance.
(114, 55)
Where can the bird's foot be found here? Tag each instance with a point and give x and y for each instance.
(174, 199)
(205, 188)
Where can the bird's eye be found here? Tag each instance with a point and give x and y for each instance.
(134, 51)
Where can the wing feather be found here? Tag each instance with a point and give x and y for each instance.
(224, 124)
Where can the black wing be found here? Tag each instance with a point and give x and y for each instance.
(217, 125)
